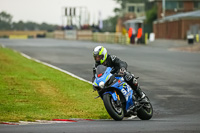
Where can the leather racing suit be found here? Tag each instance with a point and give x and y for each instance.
(114, 62)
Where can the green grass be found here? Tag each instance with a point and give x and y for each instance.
(31, 91)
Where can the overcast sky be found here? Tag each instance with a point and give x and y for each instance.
(50, 11)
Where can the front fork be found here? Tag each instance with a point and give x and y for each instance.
(115, 97)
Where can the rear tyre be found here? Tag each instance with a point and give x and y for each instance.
(145, 112)
(113, 110)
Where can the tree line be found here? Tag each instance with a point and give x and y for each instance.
(7, 24)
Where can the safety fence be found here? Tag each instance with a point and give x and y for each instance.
(21, 34)
(89, 36)
(74, 35)
(111, 38)
(97, 36)
(86, 35)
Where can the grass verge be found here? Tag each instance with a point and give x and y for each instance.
(31, 91)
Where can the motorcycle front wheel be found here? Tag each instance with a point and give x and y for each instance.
(145, 112)
(113, 110)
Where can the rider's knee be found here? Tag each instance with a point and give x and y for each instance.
(128, 76)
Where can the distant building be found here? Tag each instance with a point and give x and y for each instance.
(133, 10)
(177, 6)
(180, 18)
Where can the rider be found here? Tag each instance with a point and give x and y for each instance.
(102, 58)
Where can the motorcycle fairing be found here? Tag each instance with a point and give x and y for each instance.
(121, 85)
(125, 90)
(105, 76)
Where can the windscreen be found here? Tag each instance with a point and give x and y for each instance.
(101, 69)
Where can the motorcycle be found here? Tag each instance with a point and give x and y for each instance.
(119, 99)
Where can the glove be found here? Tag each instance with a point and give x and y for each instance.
(122, 70)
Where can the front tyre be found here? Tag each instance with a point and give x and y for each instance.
(145, 112)
(114, 111)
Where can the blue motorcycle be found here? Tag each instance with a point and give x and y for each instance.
(119, 99)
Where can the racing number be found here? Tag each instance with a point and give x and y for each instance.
(123, 91)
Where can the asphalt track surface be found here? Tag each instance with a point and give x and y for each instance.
(171, 79)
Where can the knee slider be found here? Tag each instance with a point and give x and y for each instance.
(135, 81)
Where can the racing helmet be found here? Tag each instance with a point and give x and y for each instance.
(100, 54)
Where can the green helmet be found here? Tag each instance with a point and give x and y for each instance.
(100, 54)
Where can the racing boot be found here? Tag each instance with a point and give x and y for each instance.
(132, 81)
(141, 95)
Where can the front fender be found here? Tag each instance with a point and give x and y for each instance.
(113, 94)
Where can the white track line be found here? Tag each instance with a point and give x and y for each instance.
(2, 46)
(71, 74)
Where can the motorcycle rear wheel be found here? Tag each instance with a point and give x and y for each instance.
(115, 112)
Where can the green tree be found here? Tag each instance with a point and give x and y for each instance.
(110, 24)
(7, 24)
(31, 26)
(48, 27)
(151, 15)
(18, 26)
(5, 21)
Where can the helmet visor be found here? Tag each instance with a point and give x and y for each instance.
(98, 57)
